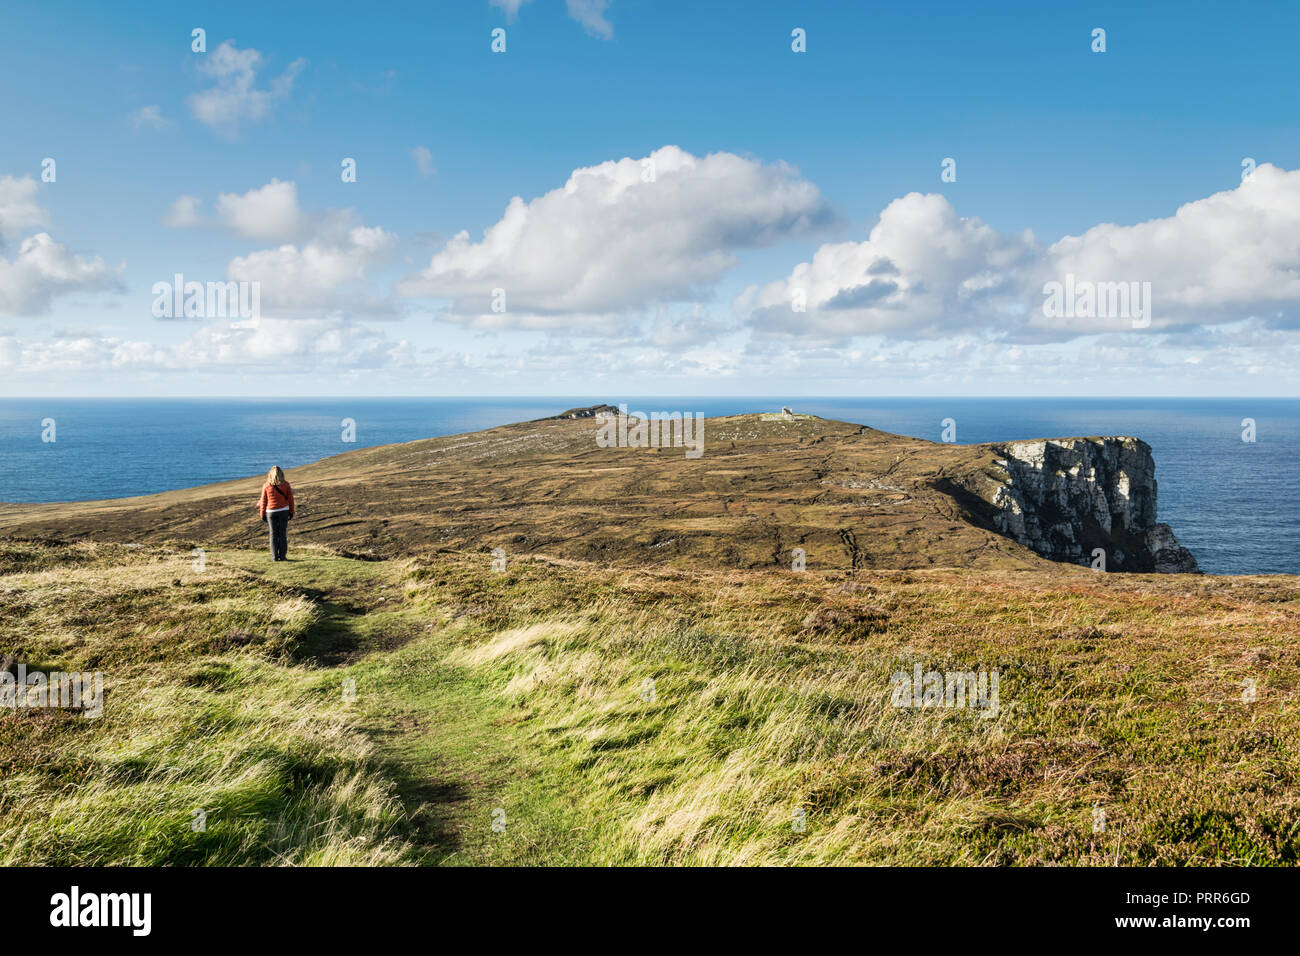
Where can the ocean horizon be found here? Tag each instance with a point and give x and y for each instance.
(1232, 501)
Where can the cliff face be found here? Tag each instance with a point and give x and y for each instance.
(1063, 498)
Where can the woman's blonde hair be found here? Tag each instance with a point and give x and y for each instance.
(275, 477)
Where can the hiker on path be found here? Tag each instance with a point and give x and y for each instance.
(276, 508)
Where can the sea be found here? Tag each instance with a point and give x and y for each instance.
(1227, 468)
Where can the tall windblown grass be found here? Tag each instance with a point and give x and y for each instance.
(738, 718)
(214, 747)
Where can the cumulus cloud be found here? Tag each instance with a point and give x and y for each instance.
(264, 213)
(322, 263)
(623, 235)
(1229, 256)
(321, 274)
(19, 210)
(924, 272)
(43, 269)
(148, 117)
(591, 14)
(269, 212)
(235, 98)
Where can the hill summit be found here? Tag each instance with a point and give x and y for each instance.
(844, 495)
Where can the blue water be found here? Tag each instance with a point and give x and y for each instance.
(1235, 504)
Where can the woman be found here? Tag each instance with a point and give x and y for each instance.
(276, 508)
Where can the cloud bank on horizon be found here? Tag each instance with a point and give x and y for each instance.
(616, 240)
(667, 265)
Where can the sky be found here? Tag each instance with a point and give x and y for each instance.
(650, 197)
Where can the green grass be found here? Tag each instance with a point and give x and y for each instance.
(525, 693)
(213, 705)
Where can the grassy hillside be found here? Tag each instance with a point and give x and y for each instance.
(848, 495)
(521, 698)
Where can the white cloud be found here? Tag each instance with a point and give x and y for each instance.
(1229, 256)
(44, 269)
(313, 343)
(266, 344)
(235, 98)
(183, 213)
(148, 117)
(423, 161)
(591, 14)
(322, 264)
(269, 212)
(351, 351)
(19, 210)
(320, 275)
(510, 7)
(924, 272)
(619, 236)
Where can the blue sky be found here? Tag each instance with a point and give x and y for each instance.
(765, 159)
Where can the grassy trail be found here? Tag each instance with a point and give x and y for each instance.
(525, 693)
(446, 734)
(432, 711)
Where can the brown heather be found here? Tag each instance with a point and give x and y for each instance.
(524, 691)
